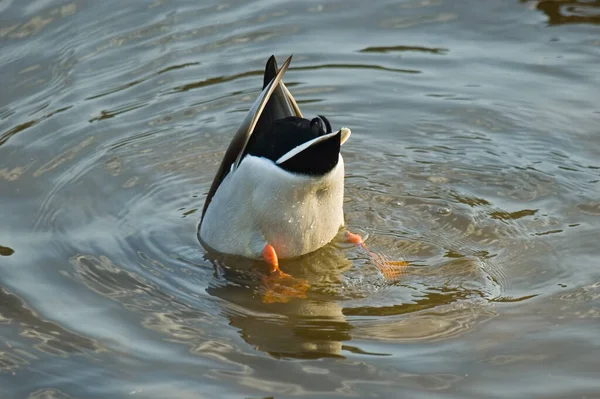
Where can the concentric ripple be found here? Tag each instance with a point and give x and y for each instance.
(474, 158)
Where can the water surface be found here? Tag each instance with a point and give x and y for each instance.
(474, 156)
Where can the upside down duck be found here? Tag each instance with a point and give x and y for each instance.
(279, 190)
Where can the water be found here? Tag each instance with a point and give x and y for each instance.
(474, 156)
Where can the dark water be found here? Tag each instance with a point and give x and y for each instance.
(475, 156)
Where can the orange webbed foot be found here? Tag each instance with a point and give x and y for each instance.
(280, 287)
(354, 238)
(391, 269)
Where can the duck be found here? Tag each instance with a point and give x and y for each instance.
(278, 192)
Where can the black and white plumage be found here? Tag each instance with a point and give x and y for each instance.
(281, 181)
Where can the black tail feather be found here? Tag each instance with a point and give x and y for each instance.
(278, 106)
(270, 71)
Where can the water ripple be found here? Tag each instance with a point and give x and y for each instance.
(473, 157)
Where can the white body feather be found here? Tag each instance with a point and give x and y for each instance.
(260, 203)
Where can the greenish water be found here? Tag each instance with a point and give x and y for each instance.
(475, 155)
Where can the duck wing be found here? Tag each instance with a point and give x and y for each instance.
(237, 147)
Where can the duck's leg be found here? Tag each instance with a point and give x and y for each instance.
(391, 269)
(280, 286)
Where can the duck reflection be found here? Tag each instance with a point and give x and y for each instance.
(311, 327)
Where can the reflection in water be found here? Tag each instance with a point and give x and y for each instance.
(319, 326)
(388, 49)
(445, 315)
(142, 80)
(216, 80)
(301, 328)
(47, 337)
(36, 24)
(260, 72)
(64, 157)
(48, 393)
(6, 251)
(592, 208)
(23, 126)
(354, 67)
(347, 300)
(14, 173)
(181, 319)
(569, 11)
